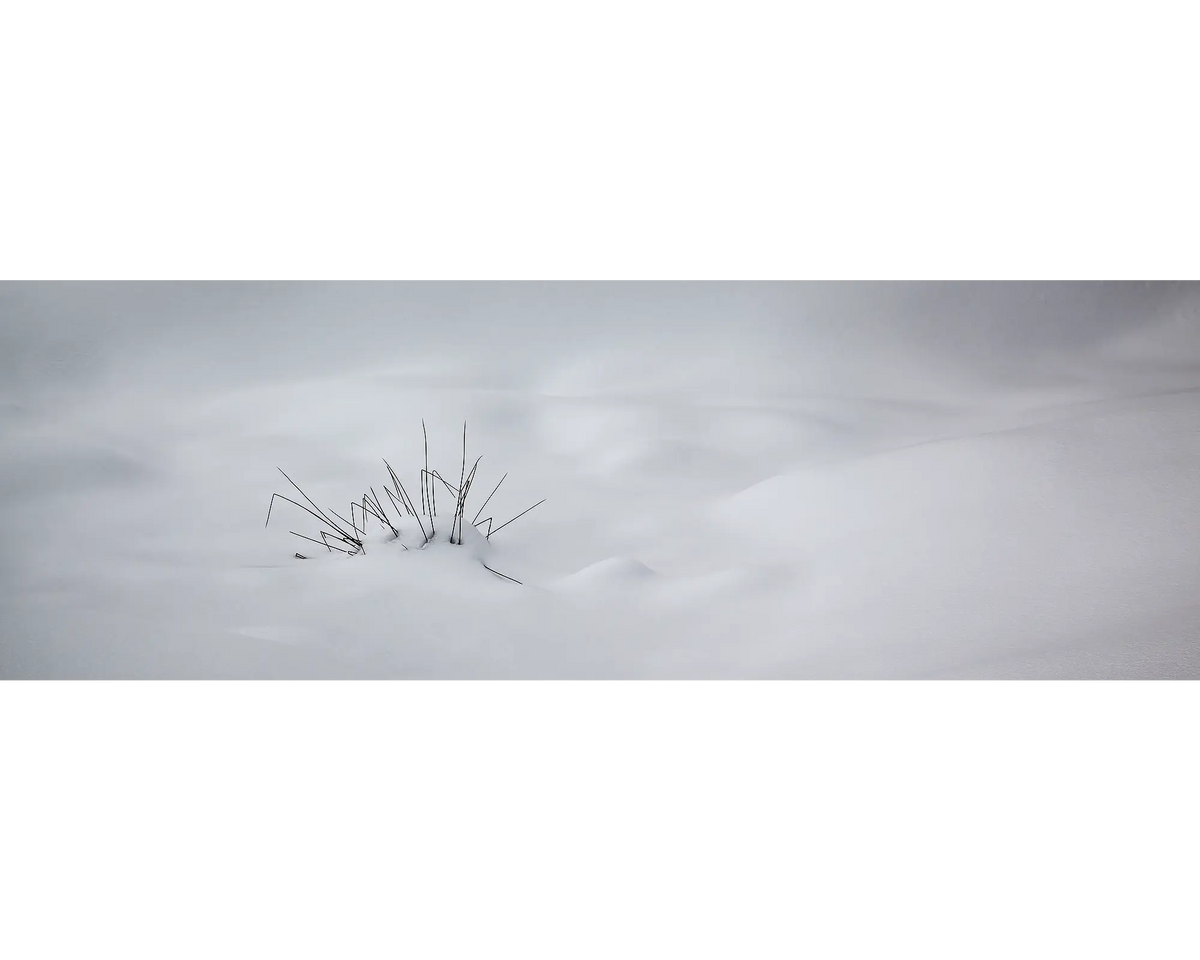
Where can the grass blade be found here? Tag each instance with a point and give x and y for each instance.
(356, 540)
(382, 514)
(424, 497)
(462, 478)
(489, 497)
(410, 506)
(517, 517)
(321, 542)
(332, 526)
(499, 574)
(460, 508)
(305, 496)
(398, 485)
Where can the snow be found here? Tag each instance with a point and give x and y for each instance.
(759, 481)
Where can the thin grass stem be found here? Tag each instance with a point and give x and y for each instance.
(517, 517)
(489, 497)
(499, 574)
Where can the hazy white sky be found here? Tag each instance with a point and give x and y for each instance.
(59, 340)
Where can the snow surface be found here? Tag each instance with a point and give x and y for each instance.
(742, 480)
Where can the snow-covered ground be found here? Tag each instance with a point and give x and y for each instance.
(742, 481)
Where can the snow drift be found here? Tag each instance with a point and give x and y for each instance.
(743, 480)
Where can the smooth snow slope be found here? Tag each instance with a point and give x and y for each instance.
(757, 480)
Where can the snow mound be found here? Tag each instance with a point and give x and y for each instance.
(615, 572)
(1053, 549)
